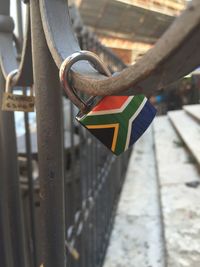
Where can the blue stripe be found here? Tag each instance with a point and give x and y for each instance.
(142, 122)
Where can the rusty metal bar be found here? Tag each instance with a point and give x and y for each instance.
(50, 146)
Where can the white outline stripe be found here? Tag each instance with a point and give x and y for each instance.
(131, 121)
(112, 111)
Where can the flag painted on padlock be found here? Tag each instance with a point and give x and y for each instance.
(119, 121)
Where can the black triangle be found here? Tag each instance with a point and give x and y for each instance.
(105, 135)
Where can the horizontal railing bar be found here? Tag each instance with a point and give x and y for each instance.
(175, 54)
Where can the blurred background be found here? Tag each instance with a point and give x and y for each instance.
(129, 27)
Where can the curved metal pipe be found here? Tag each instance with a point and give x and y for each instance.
(175, 54)
(8, 59)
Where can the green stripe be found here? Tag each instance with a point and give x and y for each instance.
(128, 113)
(133, 106)
(121, 139)
(116, 117)
(100, 119)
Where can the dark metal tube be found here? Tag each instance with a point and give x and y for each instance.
(30, 188)
(5, 237)
(9, 170)
(50, 145)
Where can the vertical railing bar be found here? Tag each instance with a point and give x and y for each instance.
(30, 187)
(95, 204)
(88, 262)
(4, 250)
(70, 186)
(50, 145)
(28, 153)
(101, 204)
(72, 142)
(106, 186)
(84, 178)
(109, 204)
(97, 207)
(102, 212)
(11, 176)
(6, 257)
(66, 181)
(83, 191)
(98, 210)
(91, 192)
(88, 191)
(93, 180)
(74, 179)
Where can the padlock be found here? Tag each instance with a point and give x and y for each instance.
(13, 102)
(117, 121)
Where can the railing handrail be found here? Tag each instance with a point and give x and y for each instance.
(174, 55)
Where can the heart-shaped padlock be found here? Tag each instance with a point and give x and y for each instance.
(117, 121)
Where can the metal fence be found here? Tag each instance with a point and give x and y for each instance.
(33, 217)
(89, 41)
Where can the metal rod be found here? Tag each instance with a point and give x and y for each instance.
(157, 68)
(12, 187)
(5, 244)
(50, 146)
(30, 188)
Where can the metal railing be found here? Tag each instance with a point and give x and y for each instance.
(58, 185)
(89, 41)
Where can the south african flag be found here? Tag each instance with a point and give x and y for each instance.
(118, 121)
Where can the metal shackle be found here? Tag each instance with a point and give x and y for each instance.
(9, 80)
(10, 84)
(64, 75)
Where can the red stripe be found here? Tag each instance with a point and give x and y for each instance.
(110, 102)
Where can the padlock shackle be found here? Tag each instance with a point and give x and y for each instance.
(9, 79)
(65, 70)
